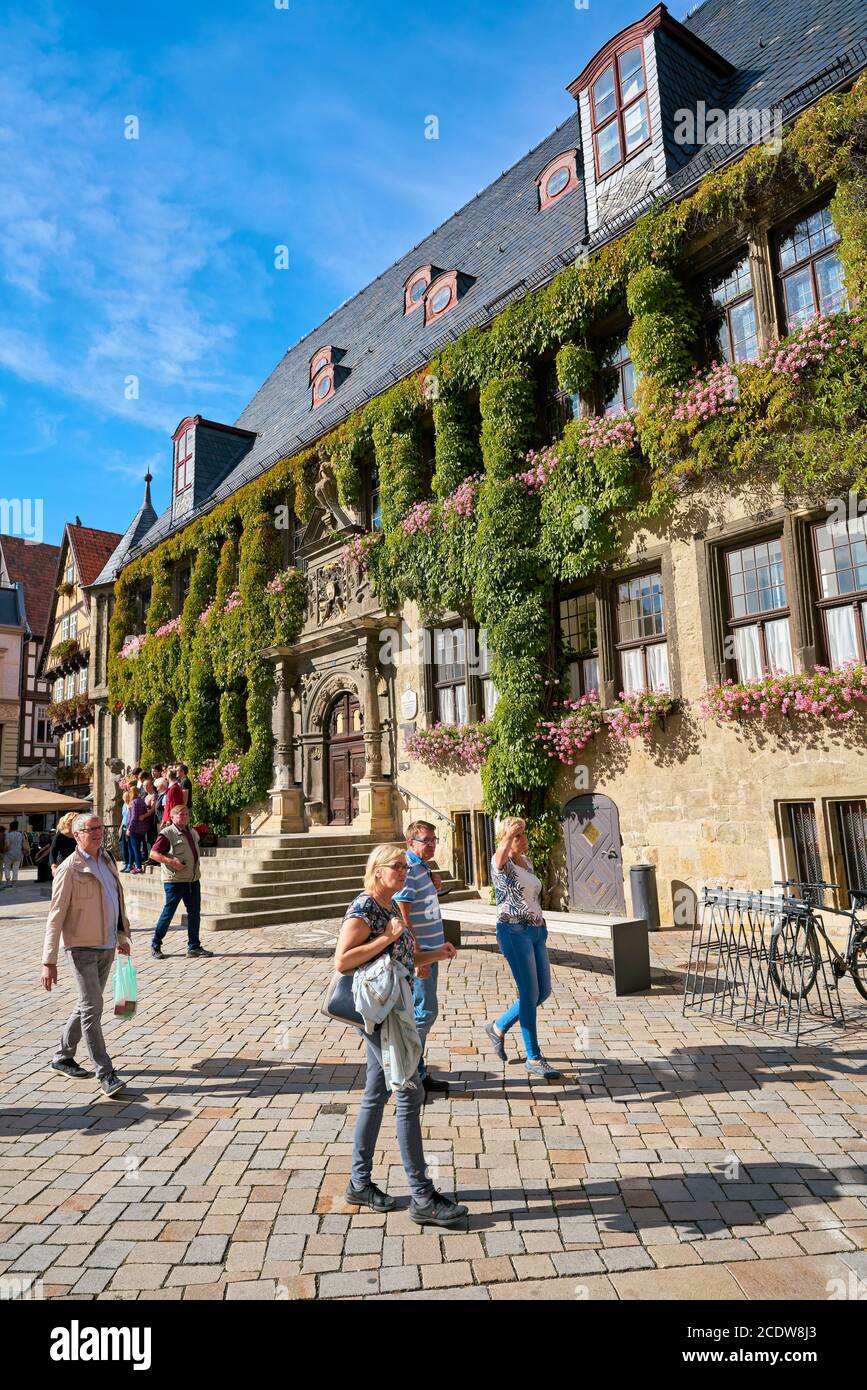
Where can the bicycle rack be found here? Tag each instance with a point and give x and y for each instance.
(745, 945)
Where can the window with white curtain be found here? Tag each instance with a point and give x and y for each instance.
(84, 746)
(841, 563)
(758, 610)
(642, 641)
(82, 680)
(450, 674)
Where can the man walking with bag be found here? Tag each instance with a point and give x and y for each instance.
(87, 911)
(177, 849)
(418, 904)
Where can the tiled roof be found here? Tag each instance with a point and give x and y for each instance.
(35, 568)
(91, 549)
(510, 247)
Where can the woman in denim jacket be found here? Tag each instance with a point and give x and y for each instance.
(522, 937)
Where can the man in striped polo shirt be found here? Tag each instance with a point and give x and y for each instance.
(418, 904)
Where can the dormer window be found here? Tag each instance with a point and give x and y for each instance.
(185, 448)
(416, 284)
(322, 357)
(323, 386)
(557, 178)
(618, 101)
(440, 296)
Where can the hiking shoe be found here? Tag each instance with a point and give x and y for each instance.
(157, 952)
(199, 951)
(537, 1066)
(67, 1066)
(439, 1211)
(498, 1041)
(370, 1196)
(112, 1083)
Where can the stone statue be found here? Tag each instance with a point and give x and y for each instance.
(344, 518)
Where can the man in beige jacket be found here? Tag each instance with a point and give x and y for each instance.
(87, 911)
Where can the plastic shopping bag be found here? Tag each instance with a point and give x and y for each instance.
(125, 987)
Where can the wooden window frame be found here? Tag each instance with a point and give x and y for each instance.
(780, 275)
(757, 620)
(724, 312)
(182, 464)
(853, 600)
(588, 654)
(471, 678)
(619, 109)
(611, 369)
(641, 643)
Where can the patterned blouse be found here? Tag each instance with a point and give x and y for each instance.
(379, 917)
(511, 905)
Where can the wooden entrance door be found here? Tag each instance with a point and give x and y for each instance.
(591, 830)
(345, 759)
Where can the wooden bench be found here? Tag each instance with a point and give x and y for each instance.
(628, 936)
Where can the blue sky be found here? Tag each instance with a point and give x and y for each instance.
(154, 258)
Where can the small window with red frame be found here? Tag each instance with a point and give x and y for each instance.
(557, 178)
(185, 448)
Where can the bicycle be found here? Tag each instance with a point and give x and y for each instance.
(795, 953)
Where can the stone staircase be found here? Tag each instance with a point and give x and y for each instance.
(262, 881)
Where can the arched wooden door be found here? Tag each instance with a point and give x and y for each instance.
(345, 741)
(591, 831)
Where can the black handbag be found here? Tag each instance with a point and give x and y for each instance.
(338, 1002)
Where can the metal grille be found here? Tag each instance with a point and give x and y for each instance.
(464, 855)
(852, 821)
(805, 839)
(487, 840)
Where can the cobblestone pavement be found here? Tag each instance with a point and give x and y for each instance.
(680, 1157)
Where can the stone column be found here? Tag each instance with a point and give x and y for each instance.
(375, 793)
(287, 799)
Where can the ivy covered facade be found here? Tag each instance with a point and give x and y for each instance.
(586, 559)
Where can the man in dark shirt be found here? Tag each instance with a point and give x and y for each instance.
(185, 784)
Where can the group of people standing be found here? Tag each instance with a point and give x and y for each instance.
(398, 912)
(148, 801)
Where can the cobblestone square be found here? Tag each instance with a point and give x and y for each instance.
(679, 1158)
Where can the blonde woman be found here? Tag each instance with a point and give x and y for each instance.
(373, 924)
(64, 841)
(522, 937)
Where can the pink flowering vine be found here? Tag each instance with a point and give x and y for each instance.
(133, 645)
(418, 518)
(173, 625)
(462, 501)
(451, 747)
(569, 734)
(708, 394)
(822, 693)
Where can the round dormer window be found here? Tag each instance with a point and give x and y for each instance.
(441, 300)
(319, 364)
(417, 290)
(557, 182)
(324, 387)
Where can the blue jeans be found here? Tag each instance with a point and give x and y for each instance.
(408, 1119)
(190, 894)
(126, 848)
(525, 948)
(136, 842)
(424, 998)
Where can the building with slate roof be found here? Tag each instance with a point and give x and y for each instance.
(33, 567)
(677, 611)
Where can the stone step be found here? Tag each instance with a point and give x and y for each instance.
(288, 914)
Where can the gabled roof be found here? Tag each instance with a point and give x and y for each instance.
(34, 566)
(138, 527)
(780, 49)
(90, 549)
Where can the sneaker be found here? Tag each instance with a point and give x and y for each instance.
(135, 871)
(498, 1041)
(439, 1211)
(67, 1066)
(537, 1066)
(370, 1196)
(199, 951)
(431, 1085)
(157, 952)
(112, 1083)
